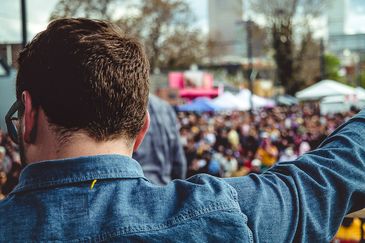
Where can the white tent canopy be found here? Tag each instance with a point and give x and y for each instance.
(229, 102)
(323, 89)
(241, 102)
(335, 104)
(257, 101)
(360, 93)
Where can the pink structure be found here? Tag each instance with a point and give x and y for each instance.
(193, 84)
(176, 80)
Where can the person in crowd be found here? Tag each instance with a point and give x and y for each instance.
(230, 165)
(82, 110)
(8, 151)
(351, 231)
(3, 179)
(241, 171)
(304, 147)
(5, 161)
(233, 138)
(161, 154)
(2, 156)
(9, 162)
(288, 155)
(2, 135)
(256, 166)
(267, 152)
(12, 178)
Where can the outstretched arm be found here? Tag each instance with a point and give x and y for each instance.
(305, 200)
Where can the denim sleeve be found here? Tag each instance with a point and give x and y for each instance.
(305, 200)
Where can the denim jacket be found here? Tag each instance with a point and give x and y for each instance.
(298, 201)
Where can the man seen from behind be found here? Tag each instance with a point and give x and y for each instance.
(81, 111)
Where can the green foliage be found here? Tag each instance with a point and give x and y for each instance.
(361, 78)
(332, 67)
(297, 63)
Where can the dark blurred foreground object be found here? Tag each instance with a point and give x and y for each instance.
(161, 154)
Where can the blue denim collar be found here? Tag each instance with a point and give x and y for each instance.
(72, 170)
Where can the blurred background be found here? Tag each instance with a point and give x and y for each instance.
(252, 82)
(273, 48)
(206, 47)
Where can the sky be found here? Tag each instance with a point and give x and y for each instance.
(356, 17)
(38, 12)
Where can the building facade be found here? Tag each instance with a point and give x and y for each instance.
(226, 29)
(337, 16)
(342, 35)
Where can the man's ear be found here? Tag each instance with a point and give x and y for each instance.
(29, 118)
(143, 132)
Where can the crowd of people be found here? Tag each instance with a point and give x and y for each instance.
(238, 143)
(10, 165)
(226, 145)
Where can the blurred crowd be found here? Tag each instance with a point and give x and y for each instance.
(10, 165)
(225, 145)
(238, 143)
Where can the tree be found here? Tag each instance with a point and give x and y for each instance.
(332, 67)
(307, 63)
(361, 79)
(164, 26)
(289, 22)
(100, 9)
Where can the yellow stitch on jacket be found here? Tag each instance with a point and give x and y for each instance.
(93, 184)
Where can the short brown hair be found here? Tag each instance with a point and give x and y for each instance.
(87, 75)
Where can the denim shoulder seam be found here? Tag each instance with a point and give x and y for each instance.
(101, 171)
(37, 184)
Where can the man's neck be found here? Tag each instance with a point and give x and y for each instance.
(77, 146)
(89, 148)
(48, 145)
